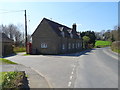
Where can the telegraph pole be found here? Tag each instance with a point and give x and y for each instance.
(26, 31)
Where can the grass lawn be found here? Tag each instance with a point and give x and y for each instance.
(5, 61)
(11, 79)
(26, 54)
(19, 49)
(100, 43)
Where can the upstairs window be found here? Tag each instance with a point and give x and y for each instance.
(63, 34)
(44, 45)
(79, 34)
(71, 35)
(70, 32)
(61, 28)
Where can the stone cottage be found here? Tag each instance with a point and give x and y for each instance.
(53, 38)
(6, 47)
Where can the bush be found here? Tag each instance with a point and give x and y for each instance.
(116, 46)
(12, 79)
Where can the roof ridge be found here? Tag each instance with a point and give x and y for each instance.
(56, 23)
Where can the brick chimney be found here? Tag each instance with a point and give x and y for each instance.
(74, 27)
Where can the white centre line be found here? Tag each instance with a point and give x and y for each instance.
(73, 69)
(74, 66)
(72, 72)
(71, 77)
(69, 84)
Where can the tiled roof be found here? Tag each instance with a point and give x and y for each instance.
(58, 27)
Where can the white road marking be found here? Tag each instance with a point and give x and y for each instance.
(74, 66)
(71, 77)
(73, 69)
(72, 72)
(69, 84)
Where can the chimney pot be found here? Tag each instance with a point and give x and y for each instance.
(74, 27)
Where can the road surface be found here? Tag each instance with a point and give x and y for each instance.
(97, 68)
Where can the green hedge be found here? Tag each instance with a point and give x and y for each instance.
(116, 46)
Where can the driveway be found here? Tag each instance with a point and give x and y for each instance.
(89, 69)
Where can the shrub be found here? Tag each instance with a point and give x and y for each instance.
(116, 46)
(11, 79)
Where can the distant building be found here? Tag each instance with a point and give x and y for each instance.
(53, 38)
(5, 45)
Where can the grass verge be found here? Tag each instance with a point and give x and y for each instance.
(5, 61)
(26, 54)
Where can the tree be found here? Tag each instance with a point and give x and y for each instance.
(107, 35)
(13, 32)
(86, 39)
(4, 29)
(17, 38)
(91, 35)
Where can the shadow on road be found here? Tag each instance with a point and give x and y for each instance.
(75, 54)
(9, 55)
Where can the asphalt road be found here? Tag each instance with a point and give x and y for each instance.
(97, 68)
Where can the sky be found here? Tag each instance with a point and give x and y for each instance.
(94, 16)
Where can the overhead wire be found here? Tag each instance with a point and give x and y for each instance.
(10, 11)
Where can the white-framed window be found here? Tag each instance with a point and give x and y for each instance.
(63, 34)
(69, 46)
(76, 45)
(73, 45)
(71, 35)
(63, 46)
(79, 36)
(43, 45)
(80, 44)
(61, 28)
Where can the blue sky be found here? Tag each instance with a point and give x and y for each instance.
(95, 16)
